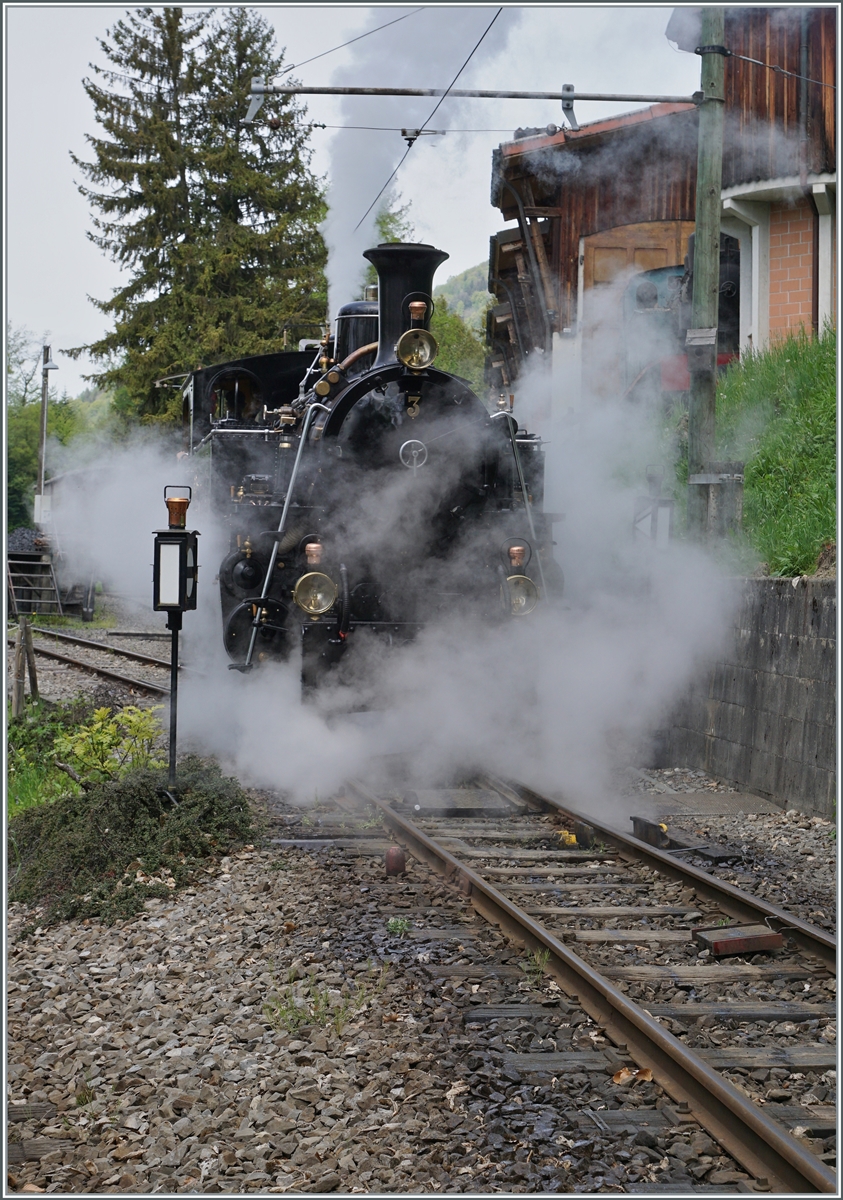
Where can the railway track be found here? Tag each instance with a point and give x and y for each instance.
(611, 920)
(93, 663)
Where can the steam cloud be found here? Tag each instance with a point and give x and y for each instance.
(548, 698)
(426, 50)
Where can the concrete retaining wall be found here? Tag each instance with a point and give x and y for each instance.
(765, 715)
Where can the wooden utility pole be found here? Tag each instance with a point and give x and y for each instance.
(30, 657)
(702, 336)
(18, 674)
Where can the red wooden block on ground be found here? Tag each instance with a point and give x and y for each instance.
(738, 939)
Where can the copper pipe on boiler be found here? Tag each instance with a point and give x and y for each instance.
(358, 353)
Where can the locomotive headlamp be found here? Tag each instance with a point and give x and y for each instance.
(315, 593)
(523, 595)
(417, 349)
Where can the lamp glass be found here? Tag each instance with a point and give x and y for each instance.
(189, 579)
(169, 558)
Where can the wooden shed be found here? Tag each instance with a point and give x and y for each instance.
(598, 207)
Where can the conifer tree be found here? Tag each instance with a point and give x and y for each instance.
(214, 221)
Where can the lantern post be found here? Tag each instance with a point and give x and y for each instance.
(174, 576)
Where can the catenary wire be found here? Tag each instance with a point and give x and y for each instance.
(295, 66)
(430, 118)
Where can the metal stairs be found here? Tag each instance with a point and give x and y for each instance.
(31, 584)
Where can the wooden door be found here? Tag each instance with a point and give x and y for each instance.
(610, 258)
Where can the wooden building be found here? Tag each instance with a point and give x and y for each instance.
(597, 207)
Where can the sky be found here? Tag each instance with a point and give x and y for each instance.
(51, 268)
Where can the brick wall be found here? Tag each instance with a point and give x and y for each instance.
(764, 716)
(791, 266)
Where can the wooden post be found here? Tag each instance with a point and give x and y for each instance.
(702, 336)
(541, 257)
(18, 675)
(30, 657)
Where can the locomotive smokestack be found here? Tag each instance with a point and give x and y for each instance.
(405, 274)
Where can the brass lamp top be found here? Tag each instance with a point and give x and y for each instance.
(177, 510)
(417, 310)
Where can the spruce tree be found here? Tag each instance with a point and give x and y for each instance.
(260, 206)
(214, 221)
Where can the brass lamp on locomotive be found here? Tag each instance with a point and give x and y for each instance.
(365, 491)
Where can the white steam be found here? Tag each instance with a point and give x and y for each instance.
(425, 51)
(549, 698)
(552, 698)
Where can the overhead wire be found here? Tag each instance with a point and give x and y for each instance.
(429, 119)
(780, 70)
(768, 66)
(360, 36)
(293, 67)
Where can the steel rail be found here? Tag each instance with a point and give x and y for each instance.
(288, 89)
(752, 1138)
(80, 641)
(103, 672)
(731, 899)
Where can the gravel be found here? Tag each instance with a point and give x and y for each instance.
(165, 1049)
(160, 1051)
(785, 857)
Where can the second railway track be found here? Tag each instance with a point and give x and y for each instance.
(96, 659)
(612, 922)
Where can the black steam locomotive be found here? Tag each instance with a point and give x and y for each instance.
(365, 492)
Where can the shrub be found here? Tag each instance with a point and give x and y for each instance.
(105, 852)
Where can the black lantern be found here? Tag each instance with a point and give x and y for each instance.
(174, 573)
(175, 564)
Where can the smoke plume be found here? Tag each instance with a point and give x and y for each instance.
(425, 51)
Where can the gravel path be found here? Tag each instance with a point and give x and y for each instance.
(279, 1026)
(163, 1045)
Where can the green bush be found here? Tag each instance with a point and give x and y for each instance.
(109, 746)
(104, 853)
(33, 777)
(776, 412)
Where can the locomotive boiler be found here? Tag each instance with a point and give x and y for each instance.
(365, 492)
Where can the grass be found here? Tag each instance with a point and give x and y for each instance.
(398, 926)
(776, 412)
(536, 965)
(306, 1002)
(33, 783)
(102, 620)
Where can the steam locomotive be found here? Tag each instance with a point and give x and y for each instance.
(365, 492)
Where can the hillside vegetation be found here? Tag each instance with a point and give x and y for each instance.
(467, 296)
(776, 412)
